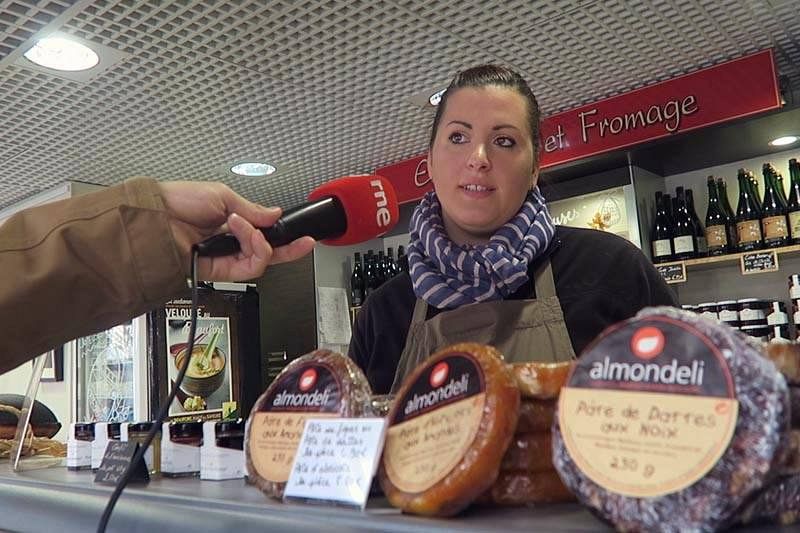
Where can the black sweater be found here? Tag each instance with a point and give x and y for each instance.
(600, 279)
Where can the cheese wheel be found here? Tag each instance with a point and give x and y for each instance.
(541, 381)
(320, 384)
(531, 452)
(691, 390)
(536, 416)
(786, 356)
(451, 422)
(518, 487)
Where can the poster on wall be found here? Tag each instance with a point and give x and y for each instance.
(207, 387)
(604, 210)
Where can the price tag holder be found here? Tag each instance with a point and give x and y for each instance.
(336, 461)
(759, 262)
(673, 272)
(116, 459)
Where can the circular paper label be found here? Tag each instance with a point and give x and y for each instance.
(276, 425)
(649, 409)
(435, 423)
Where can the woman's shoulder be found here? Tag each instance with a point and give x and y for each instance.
(588, 239)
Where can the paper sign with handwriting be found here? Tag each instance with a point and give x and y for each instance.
(336, 460)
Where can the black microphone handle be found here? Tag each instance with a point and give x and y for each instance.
(322, 219)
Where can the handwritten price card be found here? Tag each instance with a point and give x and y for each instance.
(336, 460)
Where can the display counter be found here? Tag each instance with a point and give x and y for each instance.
(56, 499)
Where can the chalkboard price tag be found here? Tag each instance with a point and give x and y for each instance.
(758, 262)
(116, 459)
(672, 272)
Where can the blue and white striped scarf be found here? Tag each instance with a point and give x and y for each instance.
(447, 275)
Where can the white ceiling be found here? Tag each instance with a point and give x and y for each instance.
(323, 89)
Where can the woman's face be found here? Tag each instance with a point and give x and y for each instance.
(481, 162)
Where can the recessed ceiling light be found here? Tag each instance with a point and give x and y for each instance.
(253, 169)
(436, 97)
(59, 53)
(783, 141)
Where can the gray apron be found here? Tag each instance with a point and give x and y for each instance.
(523, 330)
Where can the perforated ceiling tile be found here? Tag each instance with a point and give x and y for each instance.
(320, 88)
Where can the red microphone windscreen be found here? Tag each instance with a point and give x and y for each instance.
(369, 202)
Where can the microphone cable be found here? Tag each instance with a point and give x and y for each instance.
(162, 414)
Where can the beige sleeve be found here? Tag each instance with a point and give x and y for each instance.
(81, 265)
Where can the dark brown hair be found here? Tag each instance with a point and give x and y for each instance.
(497, 76)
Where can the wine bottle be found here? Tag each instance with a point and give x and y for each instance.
(748, 221)
(357, 282)
(774, 225)
(716, 222)
(684, 239)
(793, 203)
(402, 259)
(699, 231)
(730, 216)
(661, 233)
(755, 192)
(391, 266)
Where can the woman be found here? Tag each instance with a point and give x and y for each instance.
(486, 262)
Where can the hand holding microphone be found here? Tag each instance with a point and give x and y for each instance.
(200, 209)
(340, 212)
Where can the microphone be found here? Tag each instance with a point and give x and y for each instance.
(340, 212)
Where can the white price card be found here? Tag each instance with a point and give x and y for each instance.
(336, 460)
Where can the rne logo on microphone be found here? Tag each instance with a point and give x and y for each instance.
(439, 374)
(647, 343)
(421, 177)
(383, 217)
(307, 379)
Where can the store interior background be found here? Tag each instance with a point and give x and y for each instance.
(323, 89)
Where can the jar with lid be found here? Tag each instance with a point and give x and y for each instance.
(79, 446)
(84, 431)
(777, 315)
(113, 430)
(753, 312)
(794, 286)
(759, 332)
(137, 432)
(180, 453)
(728, 312)
(230, 434)
(779, 333)
(708, 310)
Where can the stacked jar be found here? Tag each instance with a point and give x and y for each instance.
(762, 319)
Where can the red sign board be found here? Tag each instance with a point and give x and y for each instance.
(728, 91)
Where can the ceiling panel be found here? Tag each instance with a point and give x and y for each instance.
(322, 88)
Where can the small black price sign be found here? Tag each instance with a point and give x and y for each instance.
(116, 459)
(672, 272)
(758, 262)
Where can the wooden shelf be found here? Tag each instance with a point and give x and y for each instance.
(721, 261)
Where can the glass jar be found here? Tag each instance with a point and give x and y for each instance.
(777, 315)
(753, 312)
(113, 430)
(794, 286)
(230, 434)
(728, 311)
(759, 332)
(708, 310)
(381, 404)
(188, 433)
(137, 432)
(84, 431)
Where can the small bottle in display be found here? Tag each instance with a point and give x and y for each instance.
(793, 203)
(661, 234)
(684, 240)
(357, 282)
(730, 216)
(716, 222)
(402, 259)
(699, 231)
(748, 221)
(774, 225)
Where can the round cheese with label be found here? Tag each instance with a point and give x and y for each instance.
(520, 487)
(670, 422)
(451, 423)
(320, 384)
